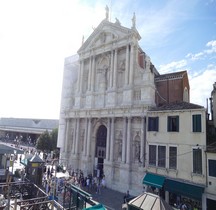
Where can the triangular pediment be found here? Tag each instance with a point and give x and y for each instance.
(107, 33)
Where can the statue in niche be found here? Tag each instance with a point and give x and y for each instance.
(102, 70)
(120, 149)
(137, 151)
(122, 65)
(103, 77)
(137, 147)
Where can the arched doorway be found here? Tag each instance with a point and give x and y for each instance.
(100, 150)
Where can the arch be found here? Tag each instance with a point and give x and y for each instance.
(100, 148)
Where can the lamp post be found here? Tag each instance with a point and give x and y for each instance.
(14, 157)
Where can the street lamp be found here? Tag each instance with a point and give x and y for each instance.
(14, 157)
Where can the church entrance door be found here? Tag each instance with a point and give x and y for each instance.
(100, 153)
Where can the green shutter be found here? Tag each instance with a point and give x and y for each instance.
(177, 123)
(157, 124)
(168, 123)
(197, 125)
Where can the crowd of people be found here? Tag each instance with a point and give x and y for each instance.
(55, 186)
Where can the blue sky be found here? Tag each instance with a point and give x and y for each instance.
(37, 35)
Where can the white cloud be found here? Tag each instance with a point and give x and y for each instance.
(173, 66)
(196, 56)
(203, 54)
(202, 85)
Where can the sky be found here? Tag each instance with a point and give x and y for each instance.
(37, 35)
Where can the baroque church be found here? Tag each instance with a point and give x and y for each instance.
(108, 88)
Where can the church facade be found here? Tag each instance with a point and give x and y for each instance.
(108, 88)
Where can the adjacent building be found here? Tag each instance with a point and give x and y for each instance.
(175, 157)
(25, 129)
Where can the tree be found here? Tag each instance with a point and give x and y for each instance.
(54, 137)
(44, 142)
(47, 142)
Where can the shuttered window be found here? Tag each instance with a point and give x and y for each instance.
(152, 155)
(173, 124)
(197, 125)
(212, 167)
(173, 157)
(197, 161)
(153, 123)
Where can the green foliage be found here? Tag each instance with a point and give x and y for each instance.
(47, 141)
(54, 137)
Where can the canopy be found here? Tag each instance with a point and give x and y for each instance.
(154, 180)
(62, 175)
(187, 189)
(96, 207)
(6, 149)
(148, 201)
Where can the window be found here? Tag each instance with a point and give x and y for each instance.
(197, 161)
(173, 124)
(153, 123)
(212, 167)
(173, 157)
(197, 126)
(157, 155)
(152, 155)
(162, 156)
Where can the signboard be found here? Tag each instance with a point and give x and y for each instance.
(34, 165)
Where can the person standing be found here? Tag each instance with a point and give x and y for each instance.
(98, 187)
(126, 196)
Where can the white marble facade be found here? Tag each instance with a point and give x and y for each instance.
(107, 89)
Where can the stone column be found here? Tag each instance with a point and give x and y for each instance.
(115, 69)
(126, 65)
(128, 140)
(79, 75)
(66, 136)
(77, 136)
(74, 137)
(131, 64)
(124, 139)
(89, 137)
(85, 137)
(80, 81)
(89, 73)
(112, 139)
(93, 74)
(108, 140)
(142, 142)
(111, 71)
